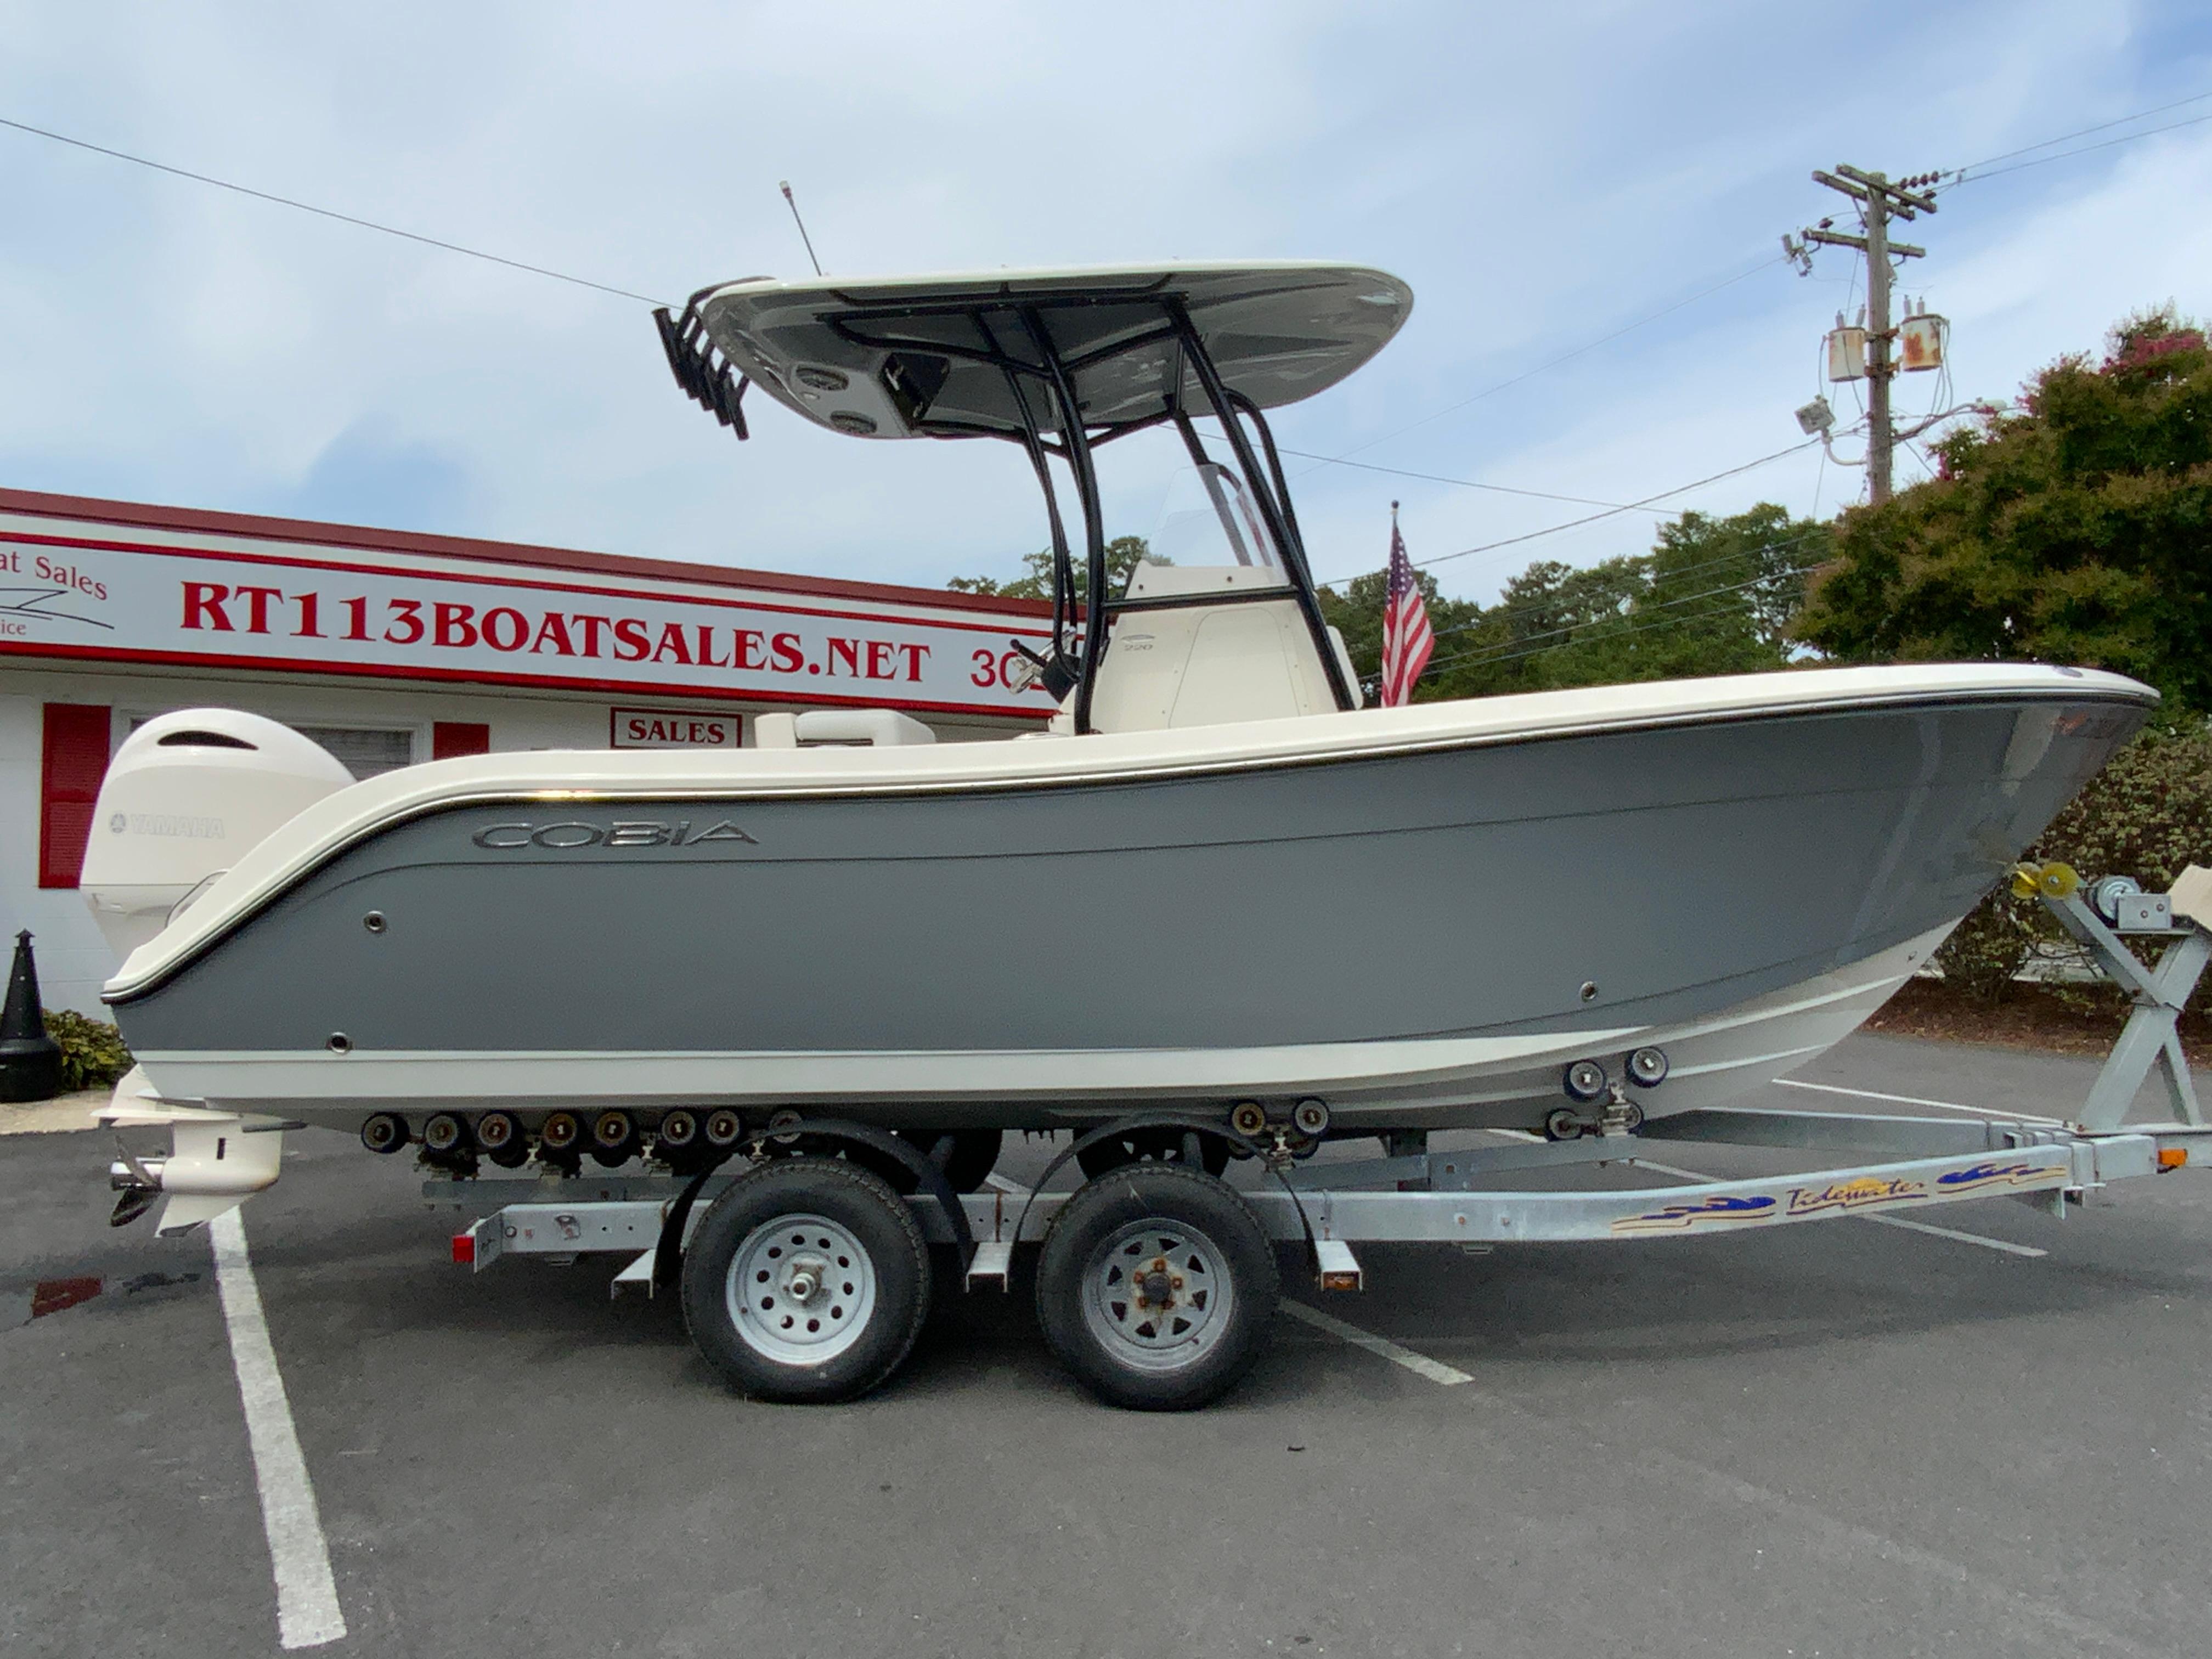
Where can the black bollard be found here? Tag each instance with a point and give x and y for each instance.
(30, 1060)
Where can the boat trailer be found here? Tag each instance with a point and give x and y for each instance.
(1432, 1198)
(1900, 1165)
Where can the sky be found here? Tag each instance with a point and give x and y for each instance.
(1543, 177)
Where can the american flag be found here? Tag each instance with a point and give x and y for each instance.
(1407, 641)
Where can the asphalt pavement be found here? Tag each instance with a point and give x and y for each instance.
(1848, 1439)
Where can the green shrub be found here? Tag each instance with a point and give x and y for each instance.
(2148, 814)
(92, 1055)
(1991, 946)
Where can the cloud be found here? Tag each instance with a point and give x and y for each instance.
(365, 476)
(1541, 175)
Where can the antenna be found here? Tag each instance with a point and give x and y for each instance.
(785, 185)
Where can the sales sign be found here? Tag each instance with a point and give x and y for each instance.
(387, 615)
(670, 728)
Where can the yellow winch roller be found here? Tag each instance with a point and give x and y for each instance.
(2053, 880)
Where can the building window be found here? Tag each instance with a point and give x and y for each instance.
(72, 763)
(365, 753)
(451, 738)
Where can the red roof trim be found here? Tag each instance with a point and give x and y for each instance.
(187, 519)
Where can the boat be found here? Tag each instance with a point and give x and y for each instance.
(1217, 889)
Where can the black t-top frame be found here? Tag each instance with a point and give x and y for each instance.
(1015, 336)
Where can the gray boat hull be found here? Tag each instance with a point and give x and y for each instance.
(1421, 938)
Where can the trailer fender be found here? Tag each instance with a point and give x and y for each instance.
(668, 1252)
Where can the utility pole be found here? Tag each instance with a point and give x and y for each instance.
(1878, 200)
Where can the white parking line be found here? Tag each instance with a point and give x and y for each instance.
(2006, 1245)
(308, 1613)
(1419, 1365)
(1916, 1100)
(1668, 1169)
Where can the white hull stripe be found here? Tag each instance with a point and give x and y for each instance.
(315, 1074)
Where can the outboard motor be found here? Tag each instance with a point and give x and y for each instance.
(184, 799)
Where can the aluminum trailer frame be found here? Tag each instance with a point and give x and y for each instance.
(1432, 1198)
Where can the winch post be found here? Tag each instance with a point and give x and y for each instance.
(2152, 1036)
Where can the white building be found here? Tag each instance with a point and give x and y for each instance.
(389, 649)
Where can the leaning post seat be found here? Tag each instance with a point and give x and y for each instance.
(881, 728)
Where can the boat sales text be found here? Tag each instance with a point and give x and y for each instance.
(452, 625)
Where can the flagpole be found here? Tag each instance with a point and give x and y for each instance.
(1406, 638)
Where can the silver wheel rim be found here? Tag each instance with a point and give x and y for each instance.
(1156, 1296)
(801, 1290)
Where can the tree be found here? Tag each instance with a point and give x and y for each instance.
(2076, 529)
(1123, 554)
(1714, 596)
(1721, 595)
(1553, 625)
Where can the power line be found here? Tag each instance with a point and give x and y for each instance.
(2066, 137)
(1464, 483)
(326, 213)
(1671, 575)
(1506, 650)
(626, 294)
(1961, 175)
(1593, 518)
(1626, 506)
(1879, 199)
(1491, 657)
(2064, 155)
(1488, 616)
(1542, 650)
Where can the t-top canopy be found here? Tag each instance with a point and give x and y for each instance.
(959, 355)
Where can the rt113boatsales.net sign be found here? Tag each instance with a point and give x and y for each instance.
(68, 597)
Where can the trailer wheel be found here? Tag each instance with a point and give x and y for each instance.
(1156, 1287)
(807, 1280)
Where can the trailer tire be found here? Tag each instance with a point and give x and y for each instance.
(1153, 1145)
(1143, 1230)
(806, 1281)
(975, 1155)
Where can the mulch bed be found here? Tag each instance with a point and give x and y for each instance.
(2028, 1017)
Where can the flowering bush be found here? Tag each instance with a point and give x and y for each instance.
(2076, 528)
(2148, 814)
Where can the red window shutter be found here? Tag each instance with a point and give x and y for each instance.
(451, 737)
(73, 762)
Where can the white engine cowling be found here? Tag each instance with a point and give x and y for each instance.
(185, 798)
